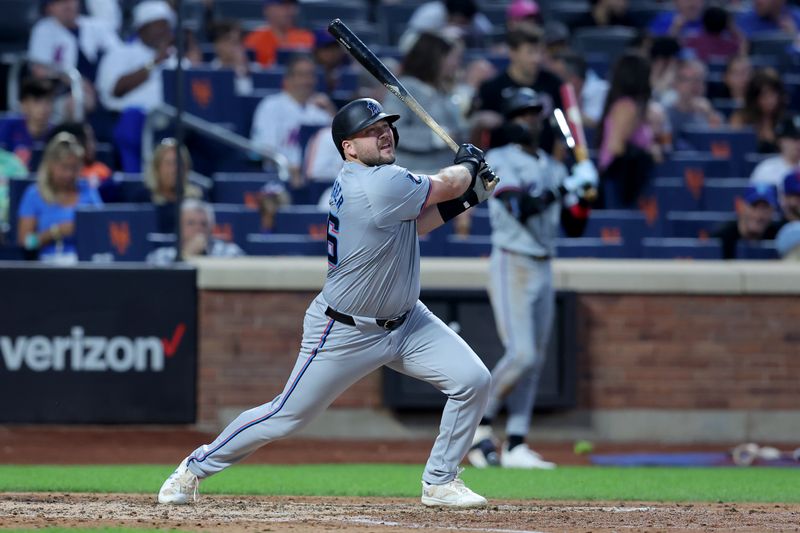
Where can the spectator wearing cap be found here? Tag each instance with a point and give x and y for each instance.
(718, 38)
(197, 239)
(774, 168)
(129, 79)
(333, 61)
(229, 53)
(787, 242)
(280, 32)
(766, 16)
(65, 39)
(279, 117)
(790, 199)
(525, 69)
(754, 220)
(522, 13)
(683, 20)
(605, 13)
(461, 17)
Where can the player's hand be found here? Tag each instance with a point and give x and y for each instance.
(486, 184)
(584, 177)
(471, 157)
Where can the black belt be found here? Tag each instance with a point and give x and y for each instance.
(389, 324)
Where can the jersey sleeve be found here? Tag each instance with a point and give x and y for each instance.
(395, 194)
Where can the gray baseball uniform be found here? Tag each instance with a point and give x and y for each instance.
(521, 286)
(373, 275)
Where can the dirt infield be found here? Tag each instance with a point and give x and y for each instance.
(250, 514)
(228, 514)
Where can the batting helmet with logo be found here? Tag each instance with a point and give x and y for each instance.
(521, 100)
(356, 116)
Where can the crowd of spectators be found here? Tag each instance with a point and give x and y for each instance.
(688, 64)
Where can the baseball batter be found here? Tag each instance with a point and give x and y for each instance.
(368, 313)
(525, 213)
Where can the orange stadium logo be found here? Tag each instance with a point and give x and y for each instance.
(119, 233)
(694, 179)
(223, 231)
(202, 92)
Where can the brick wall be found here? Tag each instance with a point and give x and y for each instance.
(636, 351)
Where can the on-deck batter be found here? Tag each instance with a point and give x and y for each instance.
(525, 213)
(368, 313)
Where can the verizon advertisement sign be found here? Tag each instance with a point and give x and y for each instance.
(97, 345)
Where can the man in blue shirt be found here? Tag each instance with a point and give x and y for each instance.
(769, 16)
(682, 21)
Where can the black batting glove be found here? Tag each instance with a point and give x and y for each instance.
(471, 157)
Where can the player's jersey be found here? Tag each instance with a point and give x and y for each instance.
(523, 172)
(373, 249)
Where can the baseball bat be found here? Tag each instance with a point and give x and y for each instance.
(375, 66)
(574, 126)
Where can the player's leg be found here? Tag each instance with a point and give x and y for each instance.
(520, 401)
(332, 357)
(429, 350)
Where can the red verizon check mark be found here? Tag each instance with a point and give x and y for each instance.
(171, 345)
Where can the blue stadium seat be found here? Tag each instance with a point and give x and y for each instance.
(246, 108)
(283, 244)
(394, 17)
(433, 244)
(674, 195)
(609, 40)
(583, 247)
(686, 164)
(208, 93)
(471, 246)
(115, 232)
(723, 142)
(480, 224)
(239, 9)
(612, 226)
(751, 161)
(269, 78)
(721, 194)
(235, 222)
(756, 250)
(680, 248)
(696, 224)
(239, 187)
(123, 188)
(302, 220)
(319, 13)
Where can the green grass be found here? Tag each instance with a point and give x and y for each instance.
(565, 483)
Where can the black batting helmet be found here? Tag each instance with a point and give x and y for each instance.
(356, 116)
(521, 100)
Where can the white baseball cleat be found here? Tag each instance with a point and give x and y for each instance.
(451, 494)
(180, 488)
(520, 456)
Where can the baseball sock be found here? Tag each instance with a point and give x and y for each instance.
(514, 440)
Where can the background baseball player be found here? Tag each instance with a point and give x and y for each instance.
(537, 195)
(368, 313)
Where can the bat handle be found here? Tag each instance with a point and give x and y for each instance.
(582, 154)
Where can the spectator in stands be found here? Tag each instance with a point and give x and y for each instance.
(665, 57)
(790, 197)
(718, 38)
(11, 167)
(271, 198)
(47, 211)
(109, 12)
(197, 225)
(769, 16)
(591, 88)
(321, 159)
(754, 220)
(429, 69)
(93, 170)
(521, 13)
(626, 140)
(787, 241)
(333, 60)
(764, 106)
(278, 118)
(161, 181)
(229, 53)
(605, 13)
(525, 54)
(129, 78)
(684, 20)
(738, 72)
(773, 169)
(19, 134)
(64, 39)
(280, 32)
(690, 107)
(461, 16)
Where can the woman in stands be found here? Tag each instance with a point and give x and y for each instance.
(161, 181)
(627, 138)
(764, 105)
(47, 211)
